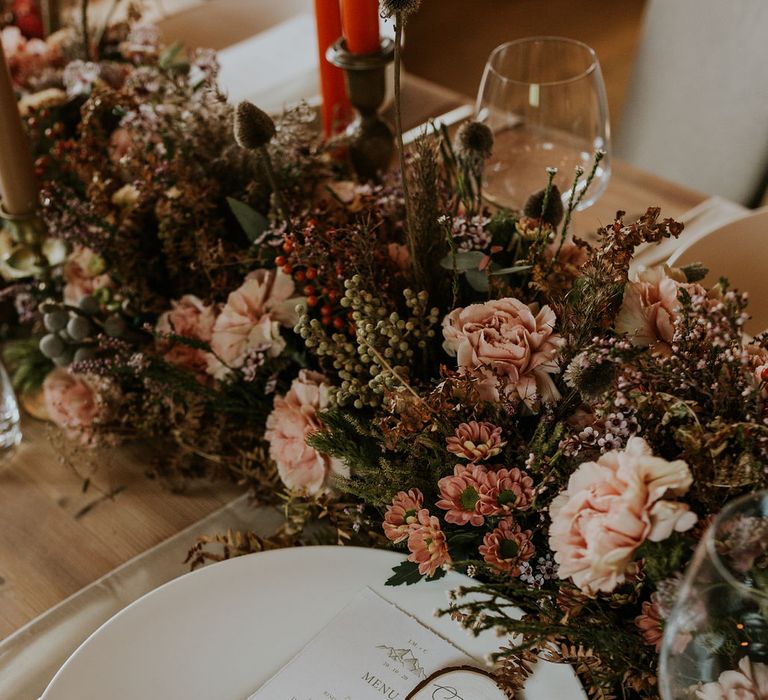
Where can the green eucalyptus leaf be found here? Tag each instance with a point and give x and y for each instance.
(512, 270)
(251, 221)
(463, 261)
(478, 280)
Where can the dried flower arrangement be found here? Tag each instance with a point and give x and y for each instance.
(523, 411)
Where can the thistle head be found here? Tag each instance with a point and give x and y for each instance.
(553, 213)
(474, 142)
(254, 128)
(402, 7)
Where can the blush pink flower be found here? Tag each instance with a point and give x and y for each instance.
(749, 682)
(758, 361)
(649, 622)
(651, 306)
(293, 418)
(504, 491)
(190, 318)
(83, 275)
(610, 508)
(401, 515)
(427, 544)
(510, 346)
(507, 547)
(72, 402)
(476, 442)
(250, 321)
(460, 495)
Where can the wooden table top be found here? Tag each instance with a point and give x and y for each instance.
(56, 539)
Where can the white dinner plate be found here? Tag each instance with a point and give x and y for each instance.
(736, 251)
(221, 632)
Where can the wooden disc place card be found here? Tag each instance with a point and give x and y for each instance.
(458, 683)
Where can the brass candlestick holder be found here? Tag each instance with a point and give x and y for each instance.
(371, 141)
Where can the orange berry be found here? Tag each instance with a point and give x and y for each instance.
(309, 289)
(280, 260)
(287, 269)
(299, 276)
(338, 323)
(312, 300)
(311, 273)
(326, 309)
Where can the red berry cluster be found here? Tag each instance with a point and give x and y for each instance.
(315, 260)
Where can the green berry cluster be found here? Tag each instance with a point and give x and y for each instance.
(73, 330)
(384, 347)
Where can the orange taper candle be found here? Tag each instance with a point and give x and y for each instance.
(336, 109)
(360, 22)
(18, 187)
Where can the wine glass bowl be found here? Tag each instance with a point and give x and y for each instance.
(716, 635)
(544, 100)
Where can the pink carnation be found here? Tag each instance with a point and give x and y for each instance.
(750, 682)
(507, 547)
(651, 307)
(460, 495)
(83, 275)
(610, 508)
(401, 515)
(72, 401)
(293, 419)
(512, 347)
(252, 317)
(427, 544)
(189, 318)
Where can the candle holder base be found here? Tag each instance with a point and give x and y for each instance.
(371, 140)
(28, 233)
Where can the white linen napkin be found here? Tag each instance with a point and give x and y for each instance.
(274, 68)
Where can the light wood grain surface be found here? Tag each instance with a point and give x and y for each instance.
(55, 538)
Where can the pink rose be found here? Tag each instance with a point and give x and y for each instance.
(293, 419)
(610, 508)
(251, 320)
(758, 361)
(189, 318)
(509, 345)
(83, 275)
(750, 682)
(71, 401)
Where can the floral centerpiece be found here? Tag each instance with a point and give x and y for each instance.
(477, 389)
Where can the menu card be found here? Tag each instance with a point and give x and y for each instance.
(371, 650)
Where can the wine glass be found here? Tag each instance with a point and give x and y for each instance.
(716, 635)
(544, 99)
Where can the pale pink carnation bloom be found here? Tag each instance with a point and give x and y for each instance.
(252, 317)
(511, 346)
(476, 442)
(651, 307)
(610, 508)
(750, 682)
(83, 275)
(401, 515)
(400, 255)
(189, 317)
(507, 547)
(72, 401)
(294, 418)
(460, 495)
(427, 544)
(504, 491)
